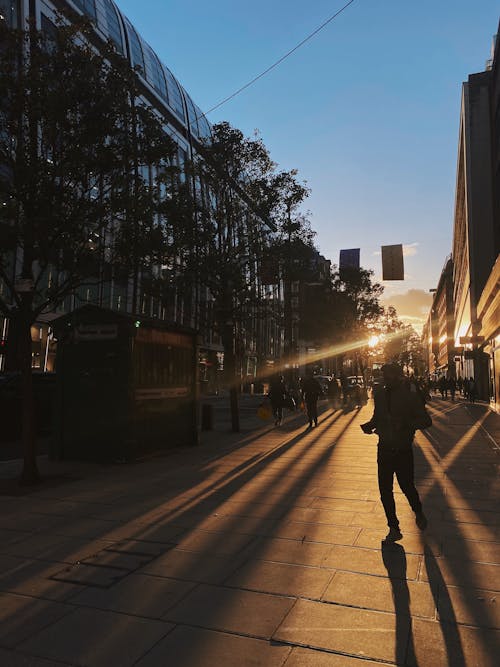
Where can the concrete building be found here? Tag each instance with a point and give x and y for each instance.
(476, 233)
(438, 332)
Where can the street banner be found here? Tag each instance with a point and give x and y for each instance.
(349, 259)
(392, 262)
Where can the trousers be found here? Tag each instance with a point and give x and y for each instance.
(397, 462)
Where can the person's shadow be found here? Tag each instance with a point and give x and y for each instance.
(394, 558)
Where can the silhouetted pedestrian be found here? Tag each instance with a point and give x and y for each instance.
(398, 413)
(471, 385)
(277, 396)
(311, 391)
(452, 385)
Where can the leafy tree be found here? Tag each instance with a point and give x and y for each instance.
(355, 311)
(77, 152)
(222, 235)
(291, 249)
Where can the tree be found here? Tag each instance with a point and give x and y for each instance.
(221, 237)
(355, 309)
(291, 249)
(77, 152)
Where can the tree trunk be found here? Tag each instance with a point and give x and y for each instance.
(30, 474)
(230, 377)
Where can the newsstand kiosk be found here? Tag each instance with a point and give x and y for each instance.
(126, 386)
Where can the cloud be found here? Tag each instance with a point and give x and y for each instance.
(410, 250)
(412, 306)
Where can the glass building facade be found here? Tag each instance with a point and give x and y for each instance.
(188, 126)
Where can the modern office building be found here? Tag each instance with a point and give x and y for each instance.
(187, 125)
(476, 234)
(439, 339)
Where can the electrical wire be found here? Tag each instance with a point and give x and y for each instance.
(280, 60)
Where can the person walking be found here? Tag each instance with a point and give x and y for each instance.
(333, 392)
(398, 413)
(472, 390)
(277, 396)
(311, 391)
(452, 386)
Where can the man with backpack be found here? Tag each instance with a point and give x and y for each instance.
(398, 413)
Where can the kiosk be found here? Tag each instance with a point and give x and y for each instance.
(126, 386)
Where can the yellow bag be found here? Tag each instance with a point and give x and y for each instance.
(264, 412)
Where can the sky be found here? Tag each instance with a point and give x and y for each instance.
(367, 111)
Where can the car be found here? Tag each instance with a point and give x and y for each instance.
(355, 380)
(355, 389)
(324, 381)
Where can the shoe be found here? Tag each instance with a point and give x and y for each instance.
(316, 422)
(421, 520)
(393, 535)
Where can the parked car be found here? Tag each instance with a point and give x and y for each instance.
(324, 381)
(356, 389)
(355, 380)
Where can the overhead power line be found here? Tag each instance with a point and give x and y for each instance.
(280, 60)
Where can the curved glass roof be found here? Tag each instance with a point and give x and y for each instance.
(115, 26)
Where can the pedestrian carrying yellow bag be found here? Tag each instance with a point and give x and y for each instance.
(264, 411)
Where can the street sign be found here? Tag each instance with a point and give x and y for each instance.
(392, 262)
(349, 259)
(471, 340)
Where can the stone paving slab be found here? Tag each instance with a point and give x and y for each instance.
(195, 647)
(58, 548)
(231, 610)
(215, 543)
(291, 551)
(97, 638)
(448, 644)
(257, 526)
(164, 532)
(302, 657)
(485, 552)
(138, 547)
(343, 504)
(453, 572)
(381, 594)
(32, 578)
(316, 532)
(412, 542)
(312, 515)
(86, 574)
(137, 594)
(358, 632)
(190, 566)
(469, 606)
(369, 561)
(281, 578)
(21, 617)
(16, 659)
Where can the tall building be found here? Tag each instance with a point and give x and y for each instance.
(476, 233)
(438, 334)
(186, 124)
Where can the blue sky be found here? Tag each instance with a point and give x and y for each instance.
(367, 111)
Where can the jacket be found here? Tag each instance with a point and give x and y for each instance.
(398, 413)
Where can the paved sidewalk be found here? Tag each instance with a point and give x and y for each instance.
(261, 548)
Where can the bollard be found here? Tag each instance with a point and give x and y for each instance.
(207, 417)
